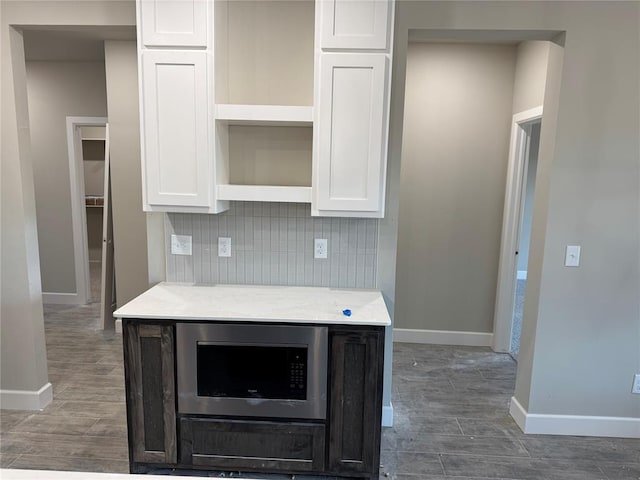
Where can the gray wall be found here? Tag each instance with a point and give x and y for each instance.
(272, 244)
(23, 361)
(129, 221)
(581, 327)
(454, 161)
(531, 75)
(57, 90)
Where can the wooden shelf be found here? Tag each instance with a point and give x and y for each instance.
(264, 193)
(274, 115)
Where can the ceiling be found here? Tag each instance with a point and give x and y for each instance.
(71, 43)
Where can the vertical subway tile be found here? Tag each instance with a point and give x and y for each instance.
(361, 236)
(282, 234)
(274, 271)
(248, 233)
(272, 243)
(249, 268)
(342, 271)
(351, 270)
(291, 268)
(308, 270)
(239, 268)
(282, 268)
(205, 260)
(360, 271)
(300, 260)
(291, 235)
(369, 270)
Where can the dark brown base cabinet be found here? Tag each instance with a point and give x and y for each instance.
(346, 444)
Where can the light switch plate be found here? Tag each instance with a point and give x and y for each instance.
(181, 244)
(572, 256)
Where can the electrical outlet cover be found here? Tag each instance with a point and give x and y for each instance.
(181, 244)
(636, 384)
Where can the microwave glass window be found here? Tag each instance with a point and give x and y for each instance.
(250, 371)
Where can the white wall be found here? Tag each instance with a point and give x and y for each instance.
(457, 118)
(57, 90)
(581, 326)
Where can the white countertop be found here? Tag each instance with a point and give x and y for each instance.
(258, 303)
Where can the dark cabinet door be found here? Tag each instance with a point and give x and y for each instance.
(151, 395)
(355, 404)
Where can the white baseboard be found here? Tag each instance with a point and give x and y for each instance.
(387, 415)
(581, 425)
(61, 298)
(26, 399)
(118, 325)
(442, 337)
(522, 275)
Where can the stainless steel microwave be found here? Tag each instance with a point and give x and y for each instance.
(275, 371)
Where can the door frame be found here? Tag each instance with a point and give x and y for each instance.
(78, 212)
(505, 291)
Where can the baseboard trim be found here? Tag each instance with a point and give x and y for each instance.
(118, 325)
(580, 425)
(61, 298)
(26, 399)
(387, 415)
(442, 337)
(522, 275)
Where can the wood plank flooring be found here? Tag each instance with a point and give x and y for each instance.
(451, 419)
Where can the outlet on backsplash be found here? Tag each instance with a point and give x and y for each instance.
(181, 244)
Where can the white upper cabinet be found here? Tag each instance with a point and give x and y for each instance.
(355, 24)
(350, 148)
(173, 23)
(176, 121)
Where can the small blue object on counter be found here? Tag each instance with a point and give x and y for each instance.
(346, 312)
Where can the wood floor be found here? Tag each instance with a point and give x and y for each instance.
(451, 417)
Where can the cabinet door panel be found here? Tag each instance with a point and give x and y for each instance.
(150, 382)
(355, 401)
(179, 23)
(351, 141)
(355, 24)
(176, 128)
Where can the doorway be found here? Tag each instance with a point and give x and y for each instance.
(89, 167)
(516, 230)
(532, 131)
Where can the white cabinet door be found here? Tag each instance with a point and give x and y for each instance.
(350, 149)
(174, 23)
(176, 128)
(355, 24)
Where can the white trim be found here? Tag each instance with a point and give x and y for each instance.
(118, 325)
(61, 298)
(505, 291)
(522, 275)
(387, 415)
(581, 425)
(442, 337)
(26, 399)
(78, 213)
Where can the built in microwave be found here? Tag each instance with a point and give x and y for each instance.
(252, 370)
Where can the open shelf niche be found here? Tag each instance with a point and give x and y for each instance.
(264, 97)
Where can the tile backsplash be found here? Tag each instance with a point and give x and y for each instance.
(272, 244)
